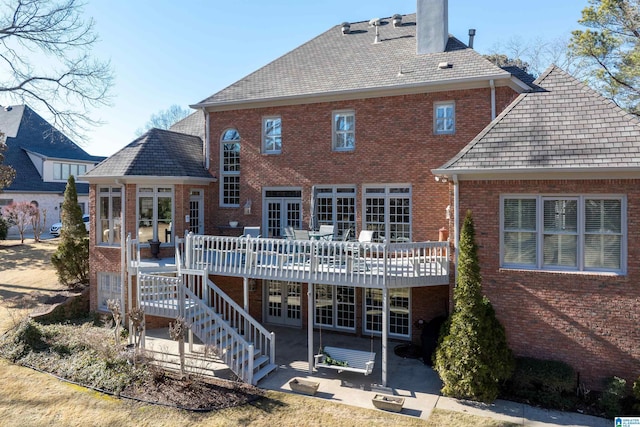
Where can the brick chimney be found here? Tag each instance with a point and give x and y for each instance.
(432, 22)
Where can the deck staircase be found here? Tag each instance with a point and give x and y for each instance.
(224, 327)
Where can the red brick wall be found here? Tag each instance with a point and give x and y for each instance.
(589, 320)
(394, 144)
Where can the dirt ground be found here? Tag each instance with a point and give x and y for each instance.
(27, 278)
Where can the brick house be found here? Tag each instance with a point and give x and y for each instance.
(552, 186)
(43, 158)
(350, 130)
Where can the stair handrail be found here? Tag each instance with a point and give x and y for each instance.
(247, 348)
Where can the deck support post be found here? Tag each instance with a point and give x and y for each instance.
(385, 326)
(245, 293)
(310, 326)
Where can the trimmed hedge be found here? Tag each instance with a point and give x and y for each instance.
(548, 383)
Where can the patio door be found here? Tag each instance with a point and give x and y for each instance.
(284, 303)
(196, 212)
(282, 208)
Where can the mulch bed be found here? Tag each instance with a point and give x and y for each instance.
(199, 394)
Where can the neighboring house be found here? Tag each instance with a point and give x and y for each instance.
(344, 131)
(553, 187)
(43, 159)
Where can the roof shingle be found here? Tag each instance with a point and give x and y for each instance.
(156, 153)
(563, 124)
(336, 63)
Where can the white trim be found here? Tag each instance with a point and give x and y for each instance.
(264, 135)
(335, 131)
(443, 104)
(387, 195)
(223, 173)
(581, 232)
(155, 220)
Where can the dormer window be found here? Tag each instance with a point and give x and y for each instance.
(62, 171)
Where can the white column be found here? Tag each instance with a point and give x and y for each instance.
(245, 293)
(385, 328)
(310, 326)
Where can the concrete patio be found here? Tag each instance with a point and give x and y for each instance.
(409, 378)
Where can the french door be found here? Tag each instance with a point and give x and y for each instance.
(282, 208)
(196, 214)
(283, 303)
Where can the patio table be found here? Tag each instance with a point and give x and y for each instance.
(316, 235)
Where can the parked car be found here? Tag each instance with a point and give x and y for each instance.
(55, 228)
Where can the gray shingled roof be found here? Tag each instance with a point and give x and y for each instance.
(335, 63)
(563, 124)
(27, 132)
(193, 124)
(156, 153)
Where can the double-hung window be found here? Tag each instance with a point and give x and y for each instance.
(230, 168)
(109, 215)
(272, 135)
(155, 213)
(581, 233)
(344, 130)
(444, 118)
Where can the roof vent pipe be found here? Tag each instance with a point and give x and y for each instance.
(375, 22)
(472, 34)
(397, 20)
(346, 28)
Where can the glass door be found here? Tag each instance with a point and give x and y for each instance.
(282, 208)
(284, 301)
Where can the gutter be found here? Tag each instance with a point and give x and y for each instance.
(206, 138)
(456, 226)
(493, 99)
(373, 91)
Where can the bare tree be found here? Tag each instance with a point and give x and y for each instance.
(536, 55)
(19, 214)
(164, 119)
(46, 61)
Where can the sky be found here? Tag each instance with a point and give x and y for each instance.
(181, 52)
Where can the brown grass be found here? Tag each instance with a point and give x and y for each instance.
(30, 398)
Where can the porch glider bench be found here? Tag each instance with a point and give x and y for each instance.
(344, 359)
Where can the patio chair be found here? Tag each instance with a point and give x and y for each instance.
(301, 234)
(365, 236)
(289, 233)
(328, 230)
(346, 234)
(251, 232)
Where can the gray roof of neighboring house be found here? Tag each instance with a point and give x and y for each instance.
(193, 124)
(337, 63)
(27, 132)
(158, 152)
(563, 124)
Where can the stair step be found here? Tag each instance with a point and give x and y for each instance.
(264, 372)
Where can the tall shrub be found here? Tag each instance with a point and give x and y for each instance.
(472, 358)
(71, 259)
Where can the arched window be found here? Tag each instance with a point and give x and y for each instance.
(230, 168)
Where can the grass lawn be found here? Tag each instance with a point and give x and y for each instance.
(30, 398)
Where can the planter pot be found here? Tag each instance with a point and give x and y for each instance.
(388, 403)
(154, 246)
(304, 386)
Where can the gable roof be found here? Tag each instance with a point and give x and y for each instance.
(343, 64)
(157, 153)
(562, 126)
(26, 133)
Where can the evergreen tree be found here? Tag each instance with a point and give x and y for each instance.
(472, 357)
(71, 259)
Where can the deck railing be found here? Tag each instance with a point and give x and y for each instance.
(374, 265)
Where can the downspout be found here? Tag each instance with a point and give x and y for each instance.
(493, 98)
(206, 147)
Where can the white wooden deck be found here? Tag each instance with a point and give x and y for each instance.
(372, 265)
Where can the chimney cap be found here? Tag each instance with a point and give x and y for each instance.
(472, 32)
